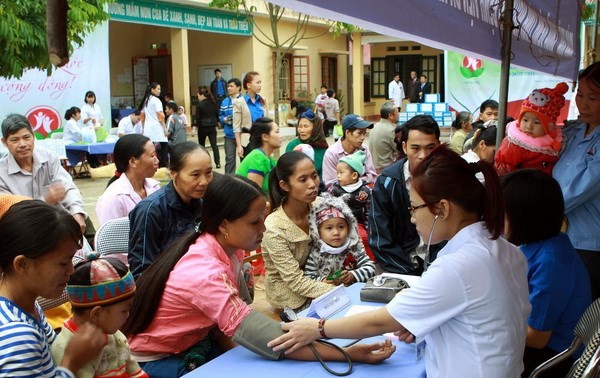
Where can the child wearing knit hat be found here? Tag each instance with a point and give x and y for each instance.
(101, 292)
(337, 254)
(355, 191)
(533, 140)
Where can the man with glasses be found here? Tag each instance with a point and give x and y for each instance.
(393, 238)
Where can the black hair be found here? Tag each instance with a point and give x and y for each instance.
(71, 112)
(13, 123)
(485, 134)
(293, 104)
(207, 94)
(462, 117)
(171, 105)
(137, 112)
(50, 225)
(492, 104)
(443, 174)
(81, 277)
(147, 95)
(330, 92)
(127, 147)
(423, 123)
(216, 70)
(260, 127)
(424, 76)
(180, 152)
(285, 167)
(89, 94)
(324, 86)
(169, 95)
(591, 73)
(534, 206)
(235, 81)
(219, 205)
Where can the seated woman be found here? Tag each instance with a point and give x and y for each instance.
(471, 305)
(172, 210)
(462, 126)
(559, 286)
(310, 131)
(136, 161)
(264, 139)
(37, 264)
(293, 189)
(190, 291)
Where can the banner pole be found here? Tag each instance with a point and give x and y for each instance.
(507, 25)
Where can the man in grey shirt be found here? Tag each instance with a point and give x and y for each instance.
(382, 142)
(35, 173)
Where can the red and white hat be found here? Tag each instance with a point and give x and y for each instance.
(546, 104)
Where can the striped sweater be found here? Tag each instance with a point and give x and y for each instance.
(25, 344)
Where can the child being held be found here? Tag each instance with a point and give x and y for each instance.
(175, 125)
(534, 139)
(101, 292)
(337, 254)
(349, 170)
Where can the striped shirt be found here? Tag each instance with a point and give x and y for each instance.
(25, 344)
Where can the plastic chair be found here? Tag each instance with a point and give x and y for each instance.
(112, 239)
(586, 332)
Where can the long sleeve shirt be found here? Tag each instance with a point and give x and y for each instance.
(46, 170)
(578, 172)
(25, 344)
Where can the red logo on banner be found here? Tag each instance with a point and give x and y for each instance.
(471, 67)
(43, 119)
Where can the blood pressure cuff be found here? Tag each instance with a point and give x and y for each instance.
(255, 331)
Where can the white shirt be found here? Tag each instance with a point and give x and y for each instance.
(396, 92)
(126, 126)
(72, 132)
(152, 126)
(471, 307)
(92, 111)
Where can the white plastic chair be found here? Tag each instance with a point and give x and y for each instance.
(112, 239)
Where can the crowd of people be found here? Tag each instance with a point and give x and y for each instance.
(504, 241)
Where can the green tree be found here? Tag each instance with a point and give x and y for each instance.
(272, 38)
(28, 26)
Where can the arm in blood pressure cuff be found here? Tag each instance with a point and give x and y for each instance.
(255, 331)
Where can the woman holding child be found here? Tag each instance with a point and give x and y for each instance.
(190, 292)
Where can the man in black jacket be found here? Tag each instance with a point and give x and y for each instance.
(393, 238)
(218, 88)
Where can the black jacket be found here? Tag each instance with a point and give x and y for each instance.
(392, 237)
(213, 89)
(207, 114)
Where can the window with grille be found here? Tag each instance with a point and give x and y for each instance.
(378, 77)
(294, 77)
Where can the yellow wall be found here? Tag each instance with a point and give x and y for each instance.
(244, 53)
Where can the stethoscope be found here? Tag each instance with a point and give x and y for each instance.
(288, 315)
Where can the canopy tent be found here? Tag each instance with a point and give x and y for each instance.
(547, 40)
(545, 37)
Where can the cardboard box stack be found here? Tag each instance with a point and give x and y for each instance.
(433, 107)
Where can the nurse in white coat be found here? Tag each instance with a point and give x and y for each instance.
(471, 305)
(153, 120)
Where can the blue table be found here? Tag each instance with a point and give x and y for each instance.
(240, 362)
(76, 151)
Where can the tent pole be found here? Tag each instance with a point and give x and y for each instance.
(507, 26)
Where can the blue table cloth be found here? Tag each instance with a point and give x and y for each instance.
(76, 151)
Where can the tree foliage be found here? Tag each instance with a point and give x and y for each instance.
(23, 32)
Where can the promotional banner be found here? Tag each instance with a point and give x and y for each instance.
(44, 99)
(546, 38)
(471, 80)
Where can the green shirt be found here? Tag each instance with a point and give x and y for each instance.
(259, 163)
(319, 154)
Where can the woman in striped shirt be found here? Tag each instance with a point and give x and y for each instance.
(39, 241)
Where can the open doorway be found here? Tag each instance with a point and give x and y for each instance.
(156, 68)
(401, 64)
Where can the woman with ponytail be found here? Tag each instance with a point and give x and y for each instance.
(471, 305)
(153, 119)
(187, 307)
(136, 161)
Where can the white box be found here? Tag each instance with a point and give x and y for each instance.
(411, 107)
(426, 107)
(440, 107)
(432, 97)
